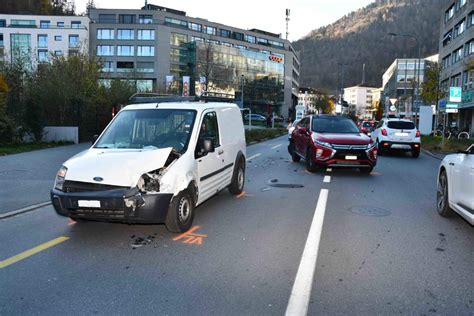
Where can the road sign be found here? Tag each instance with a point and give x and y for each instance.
(393, 108)
(455, 94)
(393, 100)
(451, 106)
(452, 110)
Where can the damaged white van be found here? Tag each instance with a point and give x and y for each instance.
(154, 163)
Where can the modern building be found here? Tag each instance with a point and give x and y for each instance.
(456, 56)
(164, 50)
(307, 98)
(36, 37)
(359, 99)
(400, 81)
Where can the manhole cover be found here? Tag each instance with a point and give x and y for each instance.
(370, 211)
(276, 184)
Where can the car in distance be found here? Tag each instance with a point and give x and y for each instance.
(456, 185)
(367, 127)
(332, 141)
(397, 134)
(291, 128)
(155, 163)
(255, 117)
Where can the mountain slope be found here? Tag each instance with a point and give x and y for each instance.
(361, 38)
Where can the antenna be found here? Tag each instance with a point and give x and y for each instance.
(146, 3)
(363, 74)
(287, 21)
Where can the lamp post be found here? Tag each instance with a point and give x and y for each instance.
(417, 71)
(242, 90)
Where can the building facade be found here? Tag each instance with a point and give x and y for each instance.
(456, 57)
(359, 99)
(36, 37)
(400, 81)
(164, 50)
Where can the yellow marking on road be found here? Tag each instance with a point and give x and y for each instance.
(29, 253)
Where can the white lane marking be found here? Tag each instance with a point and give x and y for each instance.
(327, 179)
(253, 157)
(329, 169)
(275, 147)
(24, 210)
(301, 292)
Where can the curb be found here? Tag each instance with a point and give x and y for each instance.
(429, 153)
(23, 210)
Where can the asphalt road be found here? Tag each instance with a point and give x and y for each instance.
(383, 250)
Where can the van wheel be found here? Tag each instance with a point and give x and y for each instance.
(238, 179)
(180, 213)
(292, 151)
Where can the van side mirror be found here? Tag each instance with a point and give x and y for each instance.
(208, 145)
(94, 139)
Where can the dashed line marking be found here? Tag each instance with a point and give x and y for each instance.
(32, 251)
(327, 179)
(253, 157)
(301, 291)
(276, 146)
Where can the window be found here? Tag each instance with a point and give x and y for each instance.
(469, 48)
(125, 50)
(76, 24)
(124, 66)
(227, 44)
(107, 66)
(178, 39)
(145, 50)
(105, 34)
(224, 33)
(446, 61)
(42, 41)
(449, 13)
(127, 18)
(240, 46)
(146, 35)
(195, 27)
(459, 28)
(105, 50)
(457, 55)
(144, 85)
(210, 30)
(176, 22)
(238, 36)
(262, 41)
(145, 19)
(60, 24)
(470, 20)
(145, 67)
(213, 42)
(73, 41)
(1, 40)
(20, 45)
(197, 39)
(43, 56)
(400, 125)
(178, 55)
(107, 18)
(58, 53)
(447, 38)
(456, 81)
(125, 34)
(3, 23)
(276, 44)
(58, 38)
(250, 38)
(45, 24)
(208, 129)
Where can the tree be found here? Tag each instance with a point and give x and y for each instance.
(431, 89)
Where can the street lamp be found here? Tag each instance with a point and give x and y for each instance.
(242, 89)
(417, 70)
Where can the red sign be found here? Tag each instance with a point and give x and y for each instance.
(275, 58)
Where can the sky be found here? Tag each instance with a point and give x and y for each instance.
(306, 15)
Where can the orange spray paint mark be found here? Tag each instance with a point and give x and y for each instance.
(190, 237)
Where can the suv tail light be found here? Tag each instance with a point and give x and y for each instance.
(418, 134)
(384, 132)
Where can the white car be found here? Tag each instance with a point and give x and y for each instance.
(456, 185)
(255, 118)
(397, 134)
(292, 128)
(154, 163)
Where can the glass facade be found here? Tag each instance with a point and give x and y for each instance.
(105, 34)
(20, 46)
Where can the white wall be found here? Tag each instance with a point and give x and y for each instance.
(61, 133)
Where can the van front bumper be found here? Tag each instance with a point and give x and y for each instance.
(117, 205)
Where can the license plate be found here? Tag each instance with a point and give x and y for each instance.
(88, 203)
(402, 134)
(351, 157)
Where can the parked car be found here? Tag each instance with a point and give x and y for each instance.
(456, 185)
(367, 127)
(278, 119)
(332, 141)
(255, 118)
(155, 163)
(292, 128)
(397, 134)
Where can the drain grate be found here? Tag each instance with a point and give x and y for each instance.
(370, 211)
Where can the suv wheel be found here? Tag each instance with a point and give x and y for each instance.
(180, 213)
(310, 165)
(292, 151)
(442, 198)
(238, 179)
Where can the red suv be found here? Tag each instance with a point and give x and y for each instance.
(332, 141)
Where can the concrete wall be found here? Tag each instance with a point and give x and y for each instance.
(61, 133)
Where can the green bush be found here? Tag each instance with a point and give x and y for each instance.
(7, 130)
(435, 143)
(257, 135)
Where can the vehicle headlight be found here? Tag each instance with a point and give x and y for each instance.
(60, 178)
(318, 142)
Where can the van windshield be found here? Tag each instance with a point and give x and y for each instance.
(149, 129)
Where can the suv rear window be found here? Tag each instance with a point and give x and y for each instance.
(400, 125)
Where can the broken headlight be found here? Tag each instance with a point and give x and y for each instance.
(150, 182)
(60, 178)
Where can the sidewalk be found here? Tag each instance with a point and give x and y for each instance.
(26, 178)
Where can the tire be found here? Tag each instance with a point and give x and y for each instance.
(238, 179)
(380, 150)
(310, 165)
(366, 171)
(292, 151)
(463, 135)
(180, 213)
(415, 153)
(442, 197)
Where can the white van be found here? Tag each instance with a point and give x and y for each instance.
(154, 163)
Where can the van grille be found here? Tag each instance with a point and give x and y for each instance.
(75, 186)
